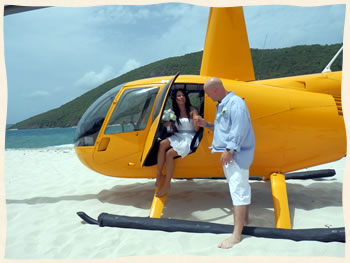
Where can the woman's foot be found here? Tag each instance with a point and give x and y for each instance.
(159, 179)
(163, 190)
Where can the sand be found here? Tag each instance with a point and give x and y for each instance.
(45, 188)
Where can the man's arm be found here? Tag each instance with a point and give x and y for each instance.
(240, 126)
(203, 123)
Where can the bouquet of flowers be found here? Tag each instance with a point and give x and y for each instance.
(169, 117)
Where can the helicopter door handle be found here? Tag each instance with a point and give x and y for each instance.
(103, 144)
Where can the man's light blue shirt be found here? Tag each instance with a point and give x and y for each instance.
(233, 130)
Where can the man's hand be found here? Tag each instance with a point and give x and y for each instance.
(226, 157)
(199, 120)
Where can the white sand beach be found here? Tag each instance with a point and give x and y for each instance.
(45, 188)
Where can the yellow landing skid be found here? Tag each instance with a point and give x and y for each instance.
(280, 200)
(157, 206)
(157, 203)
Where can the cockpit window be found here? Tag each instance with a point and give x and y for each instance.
(132, 110)
(195, 94)
(92, 120)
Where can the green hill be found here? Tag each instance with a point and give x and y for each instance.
(268, 63)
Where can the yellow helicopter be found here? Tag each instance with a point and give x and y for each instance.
(297, 121)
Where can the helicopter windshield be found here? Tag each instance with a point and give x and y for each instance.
(92, 120)
(132, 110)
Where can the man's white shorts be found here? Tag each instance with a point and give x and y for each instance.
(238, 181)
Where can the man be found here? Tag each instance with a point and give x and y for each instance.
(234, 138)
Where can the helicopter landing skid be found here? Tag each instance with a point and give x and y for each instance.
(157, 203)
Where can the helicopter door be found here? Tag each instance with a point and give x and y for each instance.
(151, 144)
(127, 126)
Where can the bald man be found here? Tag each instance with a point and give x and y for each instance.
(234, 139)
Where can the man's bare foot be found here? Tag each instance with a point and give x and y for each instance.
(163, 190)
(159, 179)
(229, 242)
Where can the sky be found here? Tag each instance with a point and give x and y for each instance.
(56, 54)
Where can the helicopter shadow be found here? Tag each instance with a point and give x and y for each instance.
(194, 199)
(321, 193)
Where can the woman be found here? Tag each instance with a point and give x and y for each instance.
(179, 143)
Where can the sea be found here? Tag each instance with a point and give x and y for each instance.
(39, 138)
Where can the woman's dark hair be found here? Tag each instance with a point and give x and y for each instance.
(176, 107)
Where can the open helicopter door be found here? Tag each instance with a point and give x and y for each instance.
(149, 155)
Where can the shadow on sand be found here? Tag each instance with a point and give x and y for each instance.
(201, 195)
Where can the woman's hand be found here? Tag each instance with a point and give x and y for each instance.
(170, 127)
(168, 123)
(199, 121)
(193, 116)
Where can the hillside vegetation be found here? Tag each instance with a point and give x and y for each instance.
(268, 63)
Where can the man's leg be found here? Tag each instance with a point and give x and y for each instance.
(238, 181)
(240, 217)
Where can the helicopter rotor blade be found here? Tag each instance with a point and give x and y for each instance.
(14, 9)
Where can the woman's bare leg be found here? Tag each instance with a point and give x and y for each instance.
(169, 163)
(163, 146)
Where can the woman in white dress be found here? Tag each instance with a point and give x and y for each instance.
(178, 143)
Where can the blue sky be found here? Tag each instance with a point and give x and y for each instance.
(53, 55)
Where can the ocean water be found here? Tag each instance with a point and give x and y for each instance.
(39, 138)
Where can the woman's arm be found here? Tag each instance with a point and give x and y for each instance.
(193, 115)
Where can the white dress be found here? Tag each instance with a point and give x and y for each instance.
(181, 140)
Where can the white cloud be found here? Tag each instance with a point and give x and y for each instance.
(120, 14)
(39, 94)
(187, 34)
(92, 79)
(176, 11)
(129, 65)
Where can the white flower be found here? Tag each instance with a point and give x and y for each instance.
(168, 115)
(223, 110)
(172, 116)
